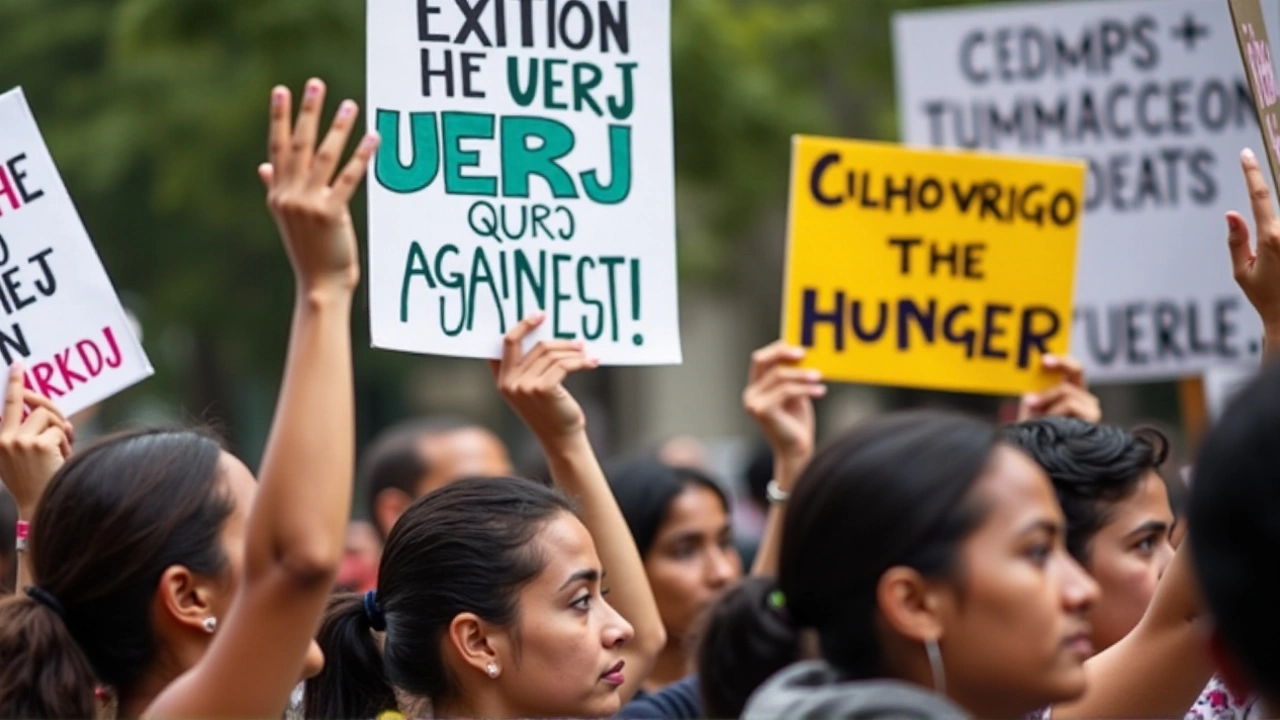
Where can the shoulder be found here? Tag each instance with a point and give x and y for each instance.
(677, 701)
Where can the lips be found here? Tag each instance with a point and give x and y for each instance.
(1080, 645)
(614, 675)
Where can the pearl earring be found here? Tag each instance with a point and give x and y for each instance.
(492, 669)
(210, 624)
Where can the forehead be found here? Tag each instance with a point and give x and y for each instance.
(1016, 490)
(238, 480)
(1149, 500)
(466, 451)
(566, 548)
(695, 505)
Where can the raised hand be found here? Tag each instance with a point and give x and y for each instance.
(31, 448)
(309, 203)
(1069, 398)
(533, 383)
(1257, 271)
(780, 397)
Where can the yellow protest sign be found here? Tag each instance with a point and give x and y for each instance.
(930, 268)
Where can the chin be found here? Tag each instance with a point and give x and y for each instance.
(1068, 685)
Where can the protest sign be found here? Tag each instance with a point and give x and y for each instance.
(929, 269)
(1152, 95)
(61, 317)
(527, 163)
(1255, 50)
(1222, 384)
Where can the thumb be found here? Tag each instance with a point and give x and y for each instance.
(1238, 243)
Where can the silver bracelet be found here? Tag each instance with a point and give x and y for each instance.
(776, 495)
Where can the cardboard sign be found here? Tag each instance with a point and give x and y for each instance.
(1255, 50)
(527, 163)
(930, 269)
(1152, 95)
(59, 314)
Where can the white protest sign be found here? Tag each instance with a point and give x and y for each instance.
(1153, 94)
(1222, 384)
(527, 163)
(59, 314)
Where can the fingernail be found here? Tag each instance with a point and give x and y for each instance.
(813, 376)
(538, 316)
(370, 141)
(1247, 154)
(1233, 223)
(820, 390)
(578, 344)
(795, 352)
(1050, 359)
(313, 87)
(347, 109)
(18, 368)
(277, 97)
(1031, 399)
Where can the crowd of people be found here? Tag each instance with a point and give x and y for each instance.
(917, 565)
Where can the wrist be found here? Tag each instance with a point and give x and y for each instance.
(324, 296)
(26, 512)
(786, 468)
(565, 443)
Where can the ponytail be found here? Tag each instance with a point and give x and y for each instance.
(748, 636)
(43, 672)
(353, 683)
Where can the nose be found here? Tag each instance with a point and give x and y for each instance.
(1079, 590)
(617, 631)
(722, 567)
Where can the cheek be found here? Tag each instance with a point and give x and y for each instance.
(676, 583)
(1126, 580)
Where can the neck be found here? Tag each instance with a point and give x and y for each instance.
(134, 701)
(671, 666)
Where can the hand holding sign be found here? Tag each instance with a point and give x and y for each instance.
(780, 398)
(532, 383)
(308, 202)
(31, 448)
(1069, 398)
(1257, 272)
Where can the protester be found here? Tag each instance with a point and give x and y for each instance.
(490, 598)
(679, 518)
(162, 570)
(409, 460)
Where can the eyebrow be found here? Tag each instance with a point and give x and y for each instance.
(588, 575)
(1043, 525)
(1151, 526)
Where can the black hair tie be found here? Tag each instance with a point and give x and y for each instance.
(47, 600)
(373, 611)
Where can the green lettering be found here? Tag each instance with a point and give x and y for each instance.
(557, 297)
(481, 272)
(415, 264)
(620, 164)
(459, 126)
(582, 87)
(621, 110)
(550, 83)
(454, 281)
(612, 263)
(524, 271)
(522, 96)
(519, 161)
(585, 263)
(422, 169)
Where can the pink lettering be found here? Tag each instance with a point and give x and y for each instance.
(44, 375)
(7, 190)
(69, 376)
(115, 348)
(93, 367)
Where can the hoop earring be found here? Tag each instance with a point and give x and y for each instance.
(935, 666)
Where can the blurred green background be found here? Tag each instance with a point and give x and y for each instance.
(155, 111)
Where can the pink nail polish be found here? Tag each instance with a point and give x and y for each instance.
(347, 110)
(277, 98)
(370, 141)
(313, 89)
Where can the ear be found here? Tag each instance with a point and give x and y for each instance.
(911, 605)
(186, 597)
(477, 643)
(388, 506)
(1229, 671)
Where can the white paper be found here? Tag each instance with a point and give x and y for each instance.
(59, 314)
(603, 262)
(1154, 294)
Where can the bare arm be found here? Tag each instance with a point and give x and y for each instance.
(1257, 270)
(294, 541)
(780, 398)
(32, 448)
(533, 385)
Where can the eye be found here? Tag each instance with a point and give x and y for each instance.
(726, 543)
(684, 551)
(582, 603)
(1039, 554)
(1146, 546)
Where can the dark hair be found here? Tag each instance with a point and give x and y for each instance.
(758, 473)
(1234, 529)
(468, 547)
(393, 460)
(644, 488)
(1093, 468)
(894, 491)
(112, 520)
(8, 553)
(747, 622)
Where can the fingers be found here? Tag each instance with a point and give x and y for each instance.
(54, 436)
(770, 355)
(513, 342)
(1072, 370)
(279, 135)
(762, 403)
(13, 401)
(1238, 243)
(356, 168)
(1063, 400)
(1259, 194)
(303, 143)
(266, 173)
(335, 141)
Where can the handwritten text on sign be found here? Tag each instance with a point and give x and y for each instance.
(930, 269)
(526, 164)
(59, 314)
(1152, 95)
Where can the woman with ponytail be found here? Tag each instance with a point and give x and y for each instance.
(158, 567)
(491, 591)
